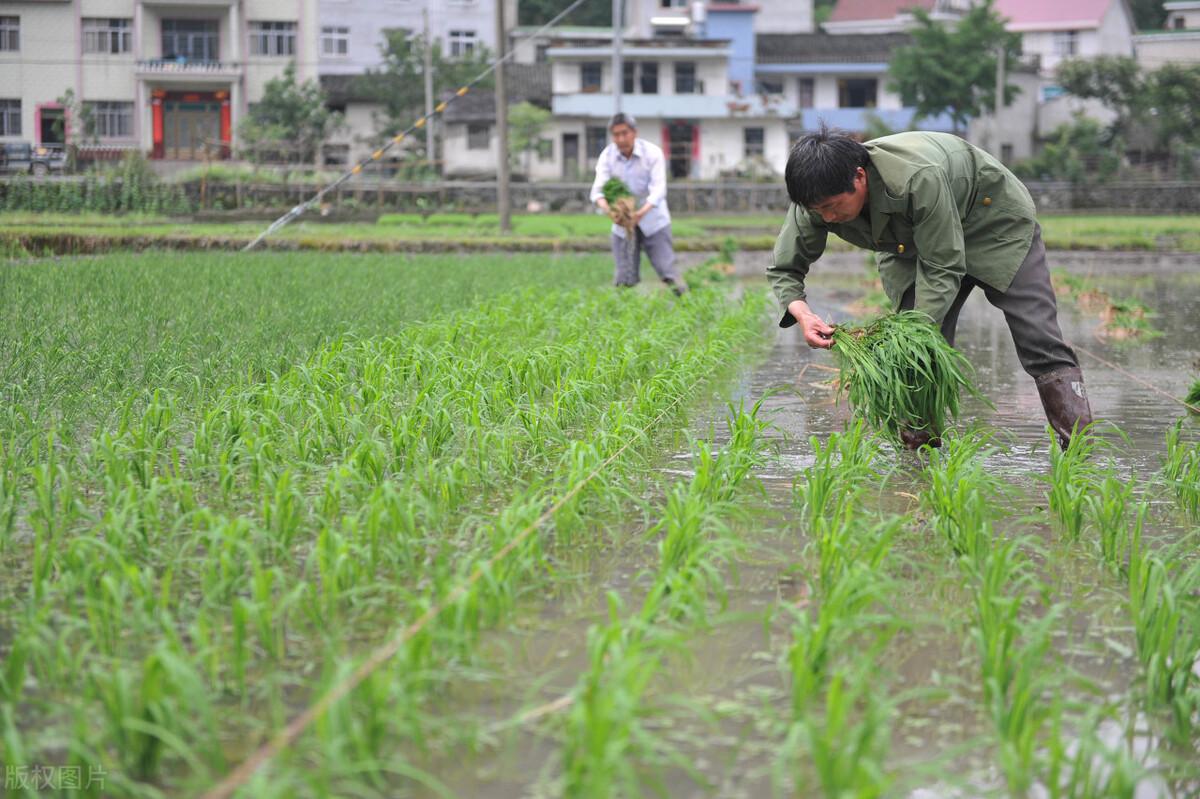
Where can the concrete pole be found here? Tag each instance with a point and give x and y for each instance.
(430, 151)
(618, 75)
(1000, 81)
(503, 203)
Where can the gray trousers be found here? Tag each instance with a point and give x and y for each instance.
(1029, 308)
(628, 258)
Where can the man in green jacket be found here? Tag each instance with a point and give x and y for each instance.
(944, 217)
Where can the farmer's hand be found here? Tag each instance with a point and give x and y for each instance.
(817, 334)
(603, 203)
(641, 213)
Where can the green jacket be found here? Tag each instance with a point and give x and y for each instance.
(939, 208)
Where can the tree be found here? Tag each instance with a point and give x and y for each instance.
(291, 115)
(1165, 100)
(526, 122)
(1148, 14)
(1113, 80)
(952, 68)
(1081, 152)
(398, 85)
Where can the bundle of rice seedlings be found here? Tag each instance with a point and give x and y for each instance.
(621, 202)
(1193, 397)
(900, 373)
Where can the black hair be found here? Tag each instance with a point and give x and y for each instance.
(821, 164)
(620, 118)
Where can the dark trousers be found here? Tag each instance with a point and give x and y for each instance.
(1029, 308)
(627, 256)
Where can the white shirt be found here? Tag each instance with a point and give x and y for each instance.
(645, 173)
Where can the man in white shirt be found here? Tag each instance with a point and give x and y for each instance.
(641, 166)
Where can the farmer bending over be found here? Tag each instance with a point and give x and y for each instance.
(944, 217)
(640, 165)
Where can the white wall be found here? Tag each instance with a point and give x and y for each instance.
(784, 16)
(565, 75)
(48, 33)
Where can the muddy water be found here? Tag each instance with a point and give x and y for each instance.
(724, 706)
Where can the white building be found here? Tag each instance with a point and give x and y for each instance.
(889, 16)
(172, 78)
(1178, 43)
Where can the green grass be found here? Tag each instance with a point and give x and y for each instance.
(1124, 232)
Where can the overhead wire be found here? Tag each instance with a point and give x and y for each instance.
(421, 122)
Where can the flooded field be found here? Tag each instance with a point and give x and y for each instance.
(481, 526)
(722, 703)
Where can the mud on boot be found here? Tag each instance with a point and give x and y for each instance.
(1065, 400)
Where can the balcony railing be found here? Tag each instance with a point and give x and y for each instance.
(189, 67)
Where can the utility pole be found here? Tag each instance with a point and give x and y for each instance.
(427, 46)
(1000, 56)
(618, 74)
(503, 203)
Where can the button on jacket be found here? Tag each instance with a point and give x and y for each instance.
(645, 173)
(937, 209)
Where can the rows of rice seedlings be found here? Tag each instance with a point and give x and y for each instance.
(84, 340)
(608, 748)
(1021, 692)
(191, 577)
(1159, 586)
(837, 732)
(1121, 318)
(1181, 469)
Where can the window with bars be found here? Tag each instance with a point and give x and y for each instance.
(462, 43)
(685, 77)
(589, 76)
(101, 35)
(190, 39)
(111, 120)
(640, 77)
(807, 92)
(1066, 43)
(479, 136)
(753, 140)
(10, 34)
(596, 141)
(273, 38)
(770, 86)
(10, 117)
(335, 40)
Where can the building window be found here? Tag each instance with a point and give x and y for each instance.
(857, 92)
(1006, 153)
(10, 117)
(479, 136)
(649, 78)
(753, 142)
(462, 43)
(640, 77)
(107, 35)
(685, 77)
(10, 34)
(1178, 23)
(597, 140)
(273, 38)
(335, 41)
(189, 39)
(1066, 43)
(545, 150)
(111, 120)
(807, 91)
(589, 76)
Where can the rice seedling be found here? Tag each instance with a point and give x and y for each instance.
(1073, 477)
(1117, 518)
(900, 373)
(1193, 398)
(1181, 468)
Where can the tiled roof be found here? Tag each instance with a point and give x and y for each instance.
(863, 10)
(525, 83)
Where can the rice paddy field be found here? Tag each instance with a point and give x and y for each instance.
(353, 525)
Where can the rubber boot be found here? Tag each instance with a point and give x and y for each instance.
(1065, 400)
(915, 439)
